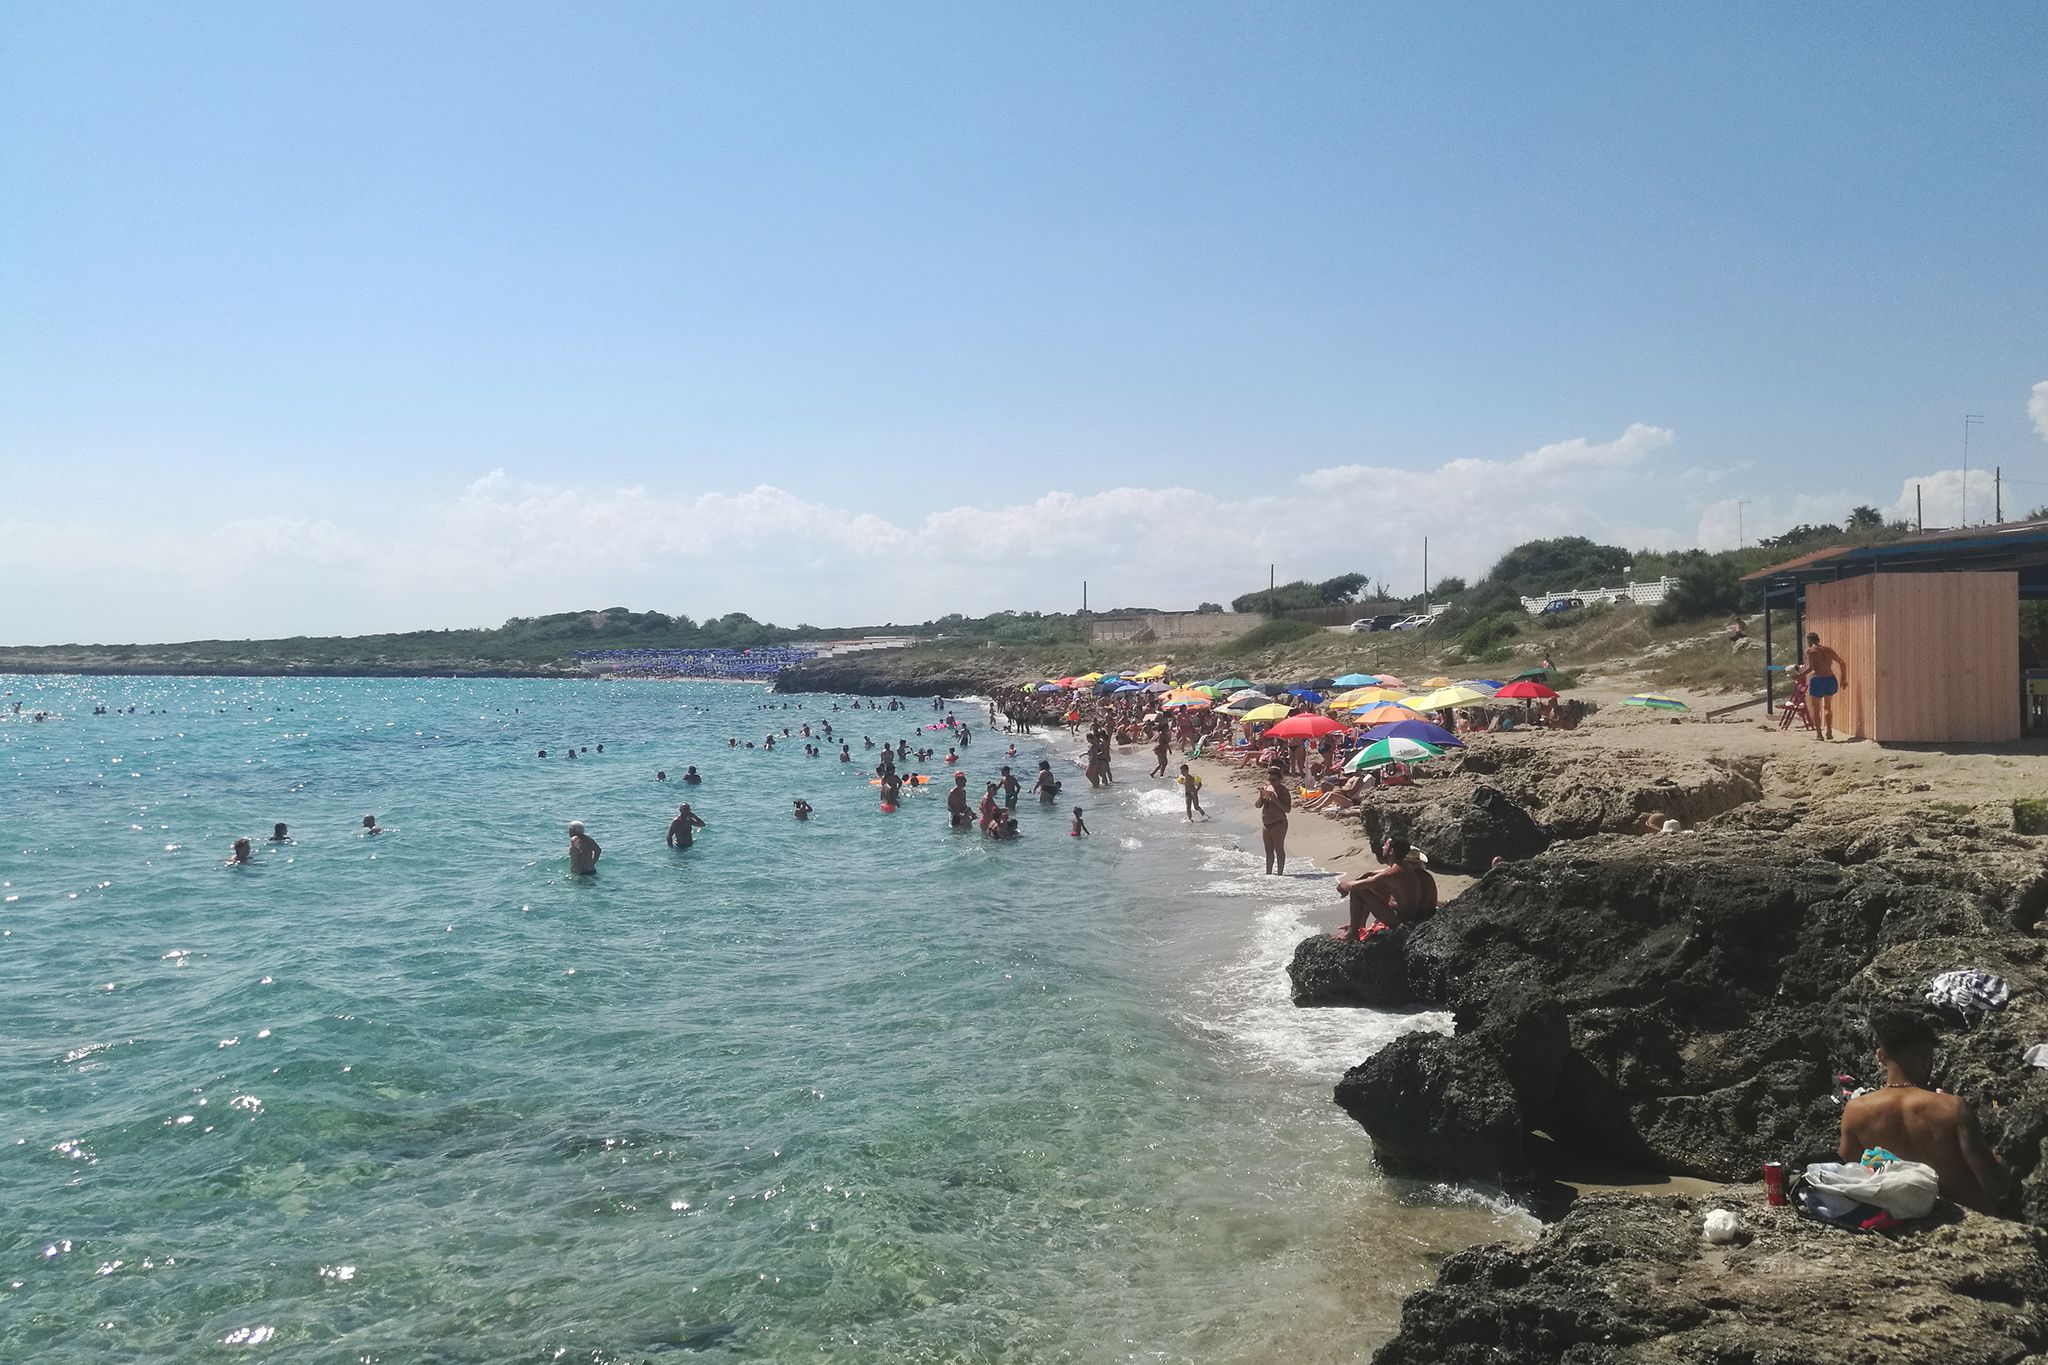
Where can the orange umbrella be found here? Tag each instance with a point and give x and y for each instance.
(1386, 711)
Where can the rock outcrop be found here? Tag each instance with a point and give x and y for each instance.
(1627, 1278)
(1460, 833)
(1686, 1006)
(1333, 971)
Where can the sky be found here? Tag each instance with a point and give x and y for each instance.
(351, 318)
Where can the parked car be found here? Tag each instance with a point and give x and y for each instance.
(1385, 622)
(1411, 623)
(1562, 604)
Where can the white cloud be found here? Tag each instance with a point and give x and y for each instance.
(1757, 518)
(504, 547)
(2037, 408)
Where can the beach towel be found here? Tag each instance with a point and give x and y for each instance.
(1968, 992)
(1904, 1189)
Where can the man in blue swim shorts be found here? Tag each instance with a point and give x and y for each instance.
(1826, 675)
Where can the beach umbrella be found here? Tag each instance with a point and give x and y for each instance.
(1384, 714)
(1250, 694)
(1389, 680)
(1356, 680)
(1229, 684)
(1416, 729)
(1157, 688)
(1271, 711)
(1305, 727)
(1307, 694)
(1066, 682)
(1533, 673)
(1321, 684)
(1089, 678)
(1369, 696)
(1524, 690)
(1050, 687)
(1444, 698)
(1656, 701)
(1185, 704)
(1381, 752)
(1490, 684)
(1434, 682)
(1123, 689)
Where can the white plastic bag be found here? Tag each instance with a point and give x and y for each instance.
(1720, 1227)
(1903, 1189)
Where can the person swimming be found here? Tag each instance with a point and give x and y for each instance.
(802, 809)
(279, 834)
(241, 853)
(370, 825)
(690, 776)
(1045, 784)
(1080, 825)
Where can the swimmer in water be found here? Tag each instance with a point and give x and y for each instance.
(690, 776)
(661, 777)
(583, 851)
(241, 853)
(1045, 784)
(279, 834)
(1080, 825)
(682, 831)
(957, 813)
(1011, 786)
(802, 809)
(370, 825)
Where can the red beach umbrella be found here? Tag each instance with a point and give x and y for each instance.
(1524, 691)
(1304, 726)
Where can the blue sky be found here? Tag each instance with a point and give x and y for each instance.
(382, 316)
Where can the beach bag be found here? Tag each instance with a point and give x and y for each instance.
(1903, 1189)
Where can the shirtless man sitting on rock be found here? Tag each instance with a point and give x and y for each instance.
(1400, 891)
(1907, 1118)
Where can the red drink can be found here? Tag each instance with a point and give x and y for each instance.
(1774, 1183)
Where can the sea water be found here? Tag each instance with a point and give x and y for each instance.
(858, 1088)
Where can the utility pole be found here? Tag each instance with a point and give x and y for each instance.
(1919, 522)
(1740, 503)
(1970, 419)
(1998, 493)
(1084, 597)
(1425, 571)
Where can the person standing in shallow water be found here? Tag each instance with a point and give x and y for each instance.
(1272, 804)
(682, 831)
(583, 851)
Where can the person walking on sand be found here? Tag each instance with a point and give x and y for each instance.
(1826, 675)
(583, 851)
(1191, 793)
(1272, 803)
(682, 831)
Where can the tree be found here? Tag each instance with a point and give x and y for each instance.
(1804, 537)
(1539, 566)
(1447, 587)
(1210, 609)
(1865, 519)
(1343, 588)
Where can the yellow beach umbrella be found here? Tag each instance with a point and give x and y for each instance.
(1368, 696)
(1271, 711)
(1433, 682)
(1444, 698)
(1152, 674)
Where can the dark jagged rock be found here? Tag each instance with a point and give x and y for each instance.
(890, 673)
(1462, 1107)
(1461, 834)
(1626, 1278)
(1332, 971)
(1711, 989)
(1438, 1108)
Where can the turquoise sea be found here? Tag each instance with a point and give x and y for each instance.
(857, 1089)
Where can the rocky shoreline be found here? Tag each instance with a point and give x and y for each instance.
(1686, 1004)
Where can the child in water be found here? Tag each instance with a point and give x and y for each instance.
(1080, 825)
(1191, 785)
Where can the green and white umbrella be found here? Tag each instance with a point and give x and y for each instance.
(1381, 752)
(1656, 701)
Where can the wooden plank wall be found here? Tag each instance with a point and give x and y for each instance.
(1948, 657)
(1840, 613)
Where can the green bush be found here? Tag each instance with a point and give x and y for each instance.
(2030, 815)
(1706, 586)
(1281, 632)
(1489, 633)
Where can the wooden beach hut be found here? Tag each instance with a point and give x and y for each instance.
(1927, 627)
